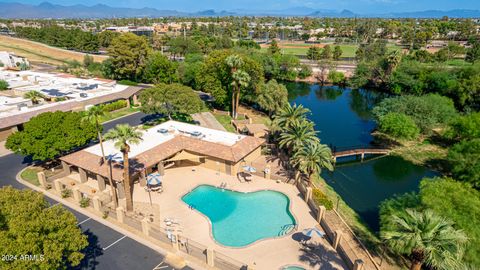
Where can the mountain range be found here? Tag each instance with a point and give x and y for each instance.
(10, 10)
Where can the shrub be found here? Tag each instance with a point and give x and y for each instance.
(84, 202)
(336, 77)
(320, 198)
(3, 85)
(465, 127)
(127, 82)
(113, 106)
(66, 193)
(464, 157)
(399, 125)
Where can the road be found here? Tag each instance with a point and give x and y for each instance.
(108, 249)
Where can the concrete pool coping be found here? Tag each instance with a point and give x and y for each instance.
(210, 231)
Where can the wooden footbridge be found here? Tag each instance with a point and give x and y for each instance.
(361, 151)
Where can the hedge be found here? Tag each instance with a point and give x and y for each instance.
(116, 105)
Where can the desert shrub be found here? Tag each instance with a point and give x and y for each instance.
(66, 193)
(84, 202)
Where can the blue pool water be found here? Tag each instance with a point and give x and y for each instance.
(239, 219)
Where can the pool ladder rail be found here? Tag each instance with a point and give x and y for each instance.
(286, 229)
(223, 185)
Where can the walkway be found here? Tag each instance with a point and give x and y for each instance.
(206, 119)
(361, 151)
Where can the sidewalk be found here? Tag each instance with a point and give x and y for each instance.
(4, 151)
(206, 119)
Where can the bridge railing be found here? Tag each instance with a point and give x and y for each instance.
(336, 149)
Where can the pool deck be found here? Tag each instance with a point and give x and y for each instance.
(264, 254)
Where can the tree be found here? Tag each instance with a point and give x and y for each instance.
(313, 53)
(473, 54)
(464, 158)
(272, 96)
(3, 85)
(336, 77)
(426, 237)
(274, 49)
(327, 52)
(51, 134)
(34, 96)
(465, 127)
(29, 226)
(159, 69)
(170, 99)
(123, 135)
(297, 135)
(128, 53)
(311, 158)
(289, 115)
(458, 202)
(239, 79)
(325, 66)
(92, 115)
(399, 126)
(337, 53)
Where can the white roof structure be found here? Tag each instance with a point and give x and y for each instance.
(164, 132)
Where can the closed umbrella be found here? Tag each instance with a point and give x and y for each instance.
(154, 179)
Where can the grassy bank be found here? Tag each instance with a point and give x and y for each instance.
(225, 120)
(118, 113)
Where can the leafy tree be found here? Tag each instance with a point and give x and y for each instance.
(272, 96)
(159, 69)
(304, 72)
(34, 96)
(274, 49)
(336, 77)
(3, 85)
(311, 158)
(51, 134)
(464, 158)
(189, 69)
(473, 54)
(465, 127)
(170, 99)
(327, 52)
(426, 237)
(428, 111)
(29, 226)
(458, 202)
(105, 38)
(313, 53)
(92, 115)
(182, 46)
(128, 53)
(337, 53)
(123, 135)
(399, 126)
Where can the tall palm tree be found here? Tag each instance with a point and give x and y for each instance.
(297, 135)
(34, 96)
(235, 62)
(92, 115)
(311, 158)
(427, 238)
(240, 79)
(289, 115)
(124, 135)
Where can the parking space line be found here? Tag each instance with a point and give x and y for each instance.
(83, 221)
(105, 248)
(159, 266)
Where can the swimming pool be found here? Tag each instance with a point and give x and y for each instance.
(239, 219)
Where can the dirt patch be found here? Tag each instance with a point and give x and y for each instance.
(39, 52)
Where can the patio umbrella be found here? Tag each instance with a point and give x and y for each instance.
(311, 232)
(249, 169)
(154, 179)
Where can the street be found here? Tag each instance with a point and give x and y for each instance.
(108, 249)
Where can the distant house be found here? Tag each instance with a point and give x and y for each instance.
(10, 60)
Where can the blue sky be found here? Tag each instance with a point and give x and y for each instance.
(360, 6)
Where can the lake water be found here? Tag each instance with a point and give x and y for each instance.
(343, 118)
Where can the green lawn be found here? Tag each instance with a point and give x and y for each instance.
(30, 175)
(118, 113)
(225, 120)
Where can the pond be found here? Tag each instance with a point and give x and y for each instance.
(343, 119)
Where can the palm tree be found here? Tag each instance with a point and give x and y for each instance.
(239, 78)
(123, 135)
(392, 61)
(426, 237)
(311, 158)
(289, 115)
(91, 115)
(297, 135)
(34, 96)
